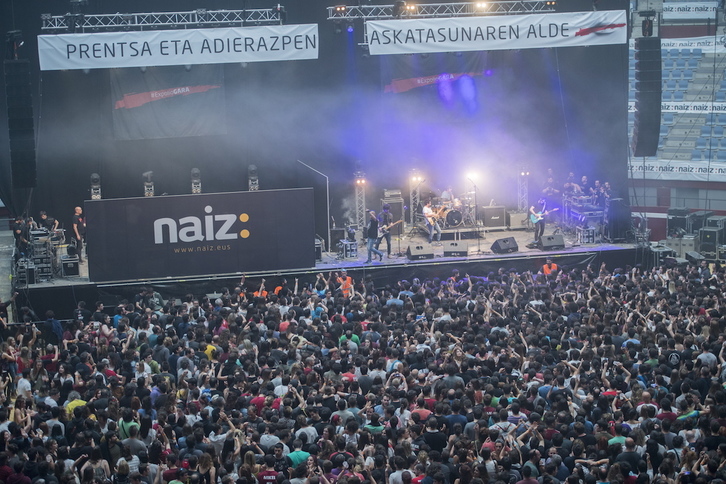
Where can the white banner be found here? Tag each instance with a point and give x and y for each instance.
(714, 171)
(695, 107)
(689, 10)
(709, 45)
(178, 47)
(496, 33)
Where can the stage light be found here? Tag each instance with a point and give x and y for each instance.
(281, 12)
(196, 181)
(201, 15)
(524, 173)
(410, 8)
(350, 28)
(551, 3)
(253, 180)
(472, 175)
(148, 183)
(340, 8)
(95, 186)
(337, 27)
(480, 6)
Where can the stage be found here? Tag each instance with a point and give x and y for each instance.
(62, 293)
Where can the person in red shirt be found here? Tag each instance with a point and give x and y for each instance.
(269, 475)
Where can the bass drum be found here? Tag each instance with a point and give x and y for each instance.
(453, 218)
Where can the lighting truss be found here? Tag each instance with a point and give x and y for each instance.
(441, 10)
(200, 18)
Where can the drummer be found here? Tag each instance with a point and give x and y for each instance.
(47, 223)
(447, 196)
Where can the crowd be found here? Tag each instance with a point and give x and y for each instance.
(577, 376)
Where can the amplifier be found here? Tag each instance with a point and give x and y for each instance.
(517, 220)
(494, 217)
(710, 238)
(318, 250)
(349, 249)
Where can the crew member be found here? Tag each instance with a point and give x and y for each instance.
(346, 283)
(431, 223)
(372, 236)
(79, 231)
(48, 223)
(20, 233)
(385, 220)
(549, 267)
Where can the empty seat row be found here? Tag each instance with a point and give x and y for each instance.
(680, 63)
(672, 84)
(675, 96)
(704, 155)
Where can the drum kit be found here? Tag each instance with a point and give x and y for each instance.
(455, 212)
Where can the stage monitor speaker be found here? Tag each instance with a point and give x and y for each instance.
(505, 245)
(494, 217)
(552, 242)
(648, 93)
(694, 257)
(456, 248)
(618, 220)
(396, 210)
(419, 252)
(21, 129)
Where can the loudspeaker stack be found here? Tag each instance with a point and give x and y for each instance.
(648, 91)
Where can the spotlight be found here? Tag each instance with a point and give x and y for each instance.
(480, 6)
(340, 9)
(410, 8)
(350, 28)
(253, 180)
(196, 181)
(148, 183)
(360, 181)
(551, 3)
(95, 186)
(524, 173)
(201, 15)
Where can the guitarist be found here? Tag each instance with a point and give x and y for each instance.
(431, 223)
(537, 216)
(385, 221)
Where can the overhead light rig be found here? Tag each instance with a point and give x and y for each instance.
(438, 10)
(200, 18)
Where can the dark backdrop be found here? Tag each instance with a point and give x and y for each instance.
(560, 108)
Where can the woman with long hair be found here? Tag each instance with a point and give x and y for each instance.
(98, 464)
(206, 469)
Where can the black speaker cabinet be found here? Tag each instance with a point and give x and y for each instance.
(710, 239)
(456, 248)
(419, 252)
(552, 242)
(505, 245)
(494, 217)
(618, 220)
(21, 128)
(648, 93)
(336, 235)
(396, 210)
(694, 257)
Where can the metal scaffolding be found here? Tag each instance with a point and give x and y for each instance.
(360, 200)
(199, 18)
(415, 181)
(434, 10)
(523, 191)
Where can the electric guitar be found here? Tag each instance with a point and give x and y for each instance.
(536, 217)
(387, 228)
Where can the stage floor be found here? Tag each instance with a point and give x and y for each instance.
(471, 245)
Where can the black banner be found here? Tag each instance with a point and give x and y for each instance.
(168, 102)
(192, 235)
